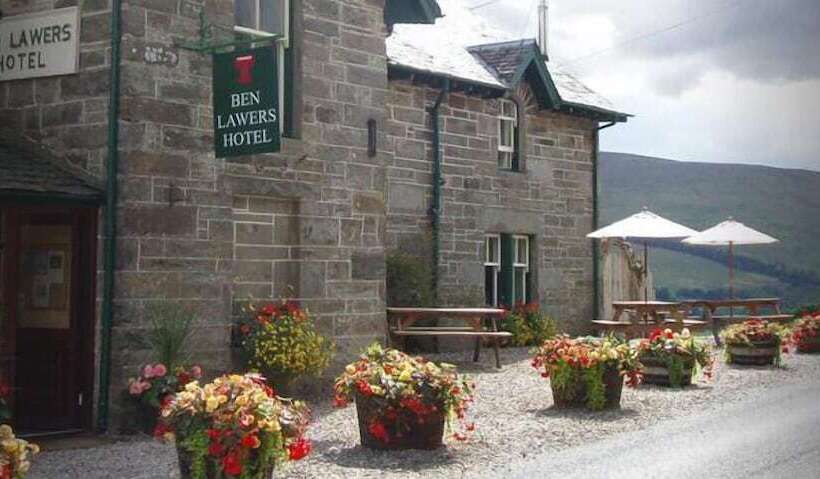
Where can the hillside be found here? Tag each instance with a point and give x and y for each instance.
(780, 202)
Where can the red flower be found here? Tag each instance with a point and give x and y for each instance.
(5, 471)
(339, 401)
(231, 464)
(251, 441)
(213, 434)
(245, 329)
(268, 310)
(299, 449)
(378, 431)
(5, 390)
(161, 430)
(459, 437)
(215, 449)
(364, 388)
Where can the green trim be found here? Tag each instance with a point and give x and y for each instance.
(110, 245)
(411, 11)
(207, 43)
(438, 181)
(548, 93)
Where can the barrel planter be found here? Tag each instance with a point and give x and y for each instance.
(754, 354)
(426, 435)
(809, 345)
(212, 470)
(613, 384)
(656, 371)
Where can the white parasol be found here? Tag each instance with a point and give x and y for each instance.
(730, 233)
(644, 226)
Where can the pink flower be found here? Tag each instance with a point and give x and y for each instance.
(196, 372)
(148, 371)
(160, 370)
(137, 386)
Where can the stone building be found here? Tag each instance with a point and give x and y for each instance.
(112, 198)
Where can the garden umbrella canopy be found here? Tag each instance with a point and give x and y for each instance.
(730, 233)
(644, 225)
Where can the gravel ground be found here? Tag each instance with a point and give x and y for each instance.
(513, 414)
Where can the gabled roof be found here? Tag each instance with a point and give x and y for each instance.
(28, 170)
(411, 11)
(462, 47)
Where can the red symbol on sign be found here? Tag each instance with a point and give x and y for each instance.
(244, 69)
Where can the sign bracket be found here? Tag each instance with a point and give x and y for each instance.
(207, 42)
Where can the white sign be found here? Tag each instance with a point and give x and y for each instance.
(40, 45)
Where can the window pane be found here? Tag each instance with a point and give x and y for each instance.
(491, 253)
(520, 285)
(490, 290)
(273, 16)
(245, 13)
(505, 160)
(522, 251)
(506, 138)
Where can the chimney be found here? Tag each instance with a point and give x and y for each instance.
(543, 27)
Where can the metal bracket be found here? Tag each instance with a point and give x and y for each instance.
(208, 42)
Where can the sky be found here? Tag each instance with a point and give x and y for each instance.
(734, 81)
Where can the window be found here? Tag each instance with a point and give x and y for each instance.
(507, 278)
(521, 269)
(492, 269)
(508, 135)
(262, 18)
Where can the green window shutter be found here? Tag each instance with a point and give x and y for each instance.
(530, 282)
(517, 152)
(507, 259)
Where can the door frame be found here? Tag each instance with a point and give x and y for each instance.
(84, 223)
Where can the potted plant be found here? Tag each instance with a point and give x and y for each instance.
(754, 342)
(281, 342)
(671, 359)
(154, 387)
(15, 454)
(528, 325)
(235, 426)
(587, 372)
(806, 334)
(403, 402)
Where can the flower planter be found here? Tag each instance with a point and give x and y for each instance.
(754, 354)
(655, 371)
(613, 383)
(211, 471)
(414, 435)
(809, 345)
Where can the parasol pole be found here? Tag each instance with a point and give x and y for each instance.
(645, 272)
(731, 277)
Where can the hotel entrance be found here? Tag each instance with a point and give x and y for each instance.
(47, 260)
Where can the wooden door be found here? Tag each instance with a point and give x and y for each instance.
(53, 264)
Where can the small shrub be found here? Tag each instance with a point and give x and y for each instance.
(528, 325)
(409, 280)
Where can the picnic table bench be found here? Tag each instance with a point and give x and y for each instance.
(401, 321)
(649, 315)
(751, 306)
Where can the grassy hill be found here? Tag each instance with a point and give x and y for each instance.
(780, 202)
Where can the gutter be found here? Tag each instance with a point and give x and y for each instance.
(596, 267)
(110, 245)
(435, 209)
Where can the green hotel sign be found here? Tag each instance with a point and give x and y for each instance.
(246, 103)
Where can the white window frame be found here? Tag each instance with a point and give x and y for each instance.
(493, 263)
(517, 239)
(281, 45)
(507, 113)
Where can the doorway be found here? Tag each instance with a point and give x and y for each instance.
(48, 265)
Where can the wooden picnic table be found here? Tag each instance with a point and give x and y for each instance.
(752, 307)
(650, 315)
(401, 325)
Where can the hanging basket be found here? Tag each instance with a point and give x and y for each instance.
(656, 371)
(402, 435)
(613, 384)
(212, 470)
(754, 354)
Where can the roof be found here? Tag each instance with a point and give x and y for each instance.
(461, 46)
(30, 170)
(411, 11)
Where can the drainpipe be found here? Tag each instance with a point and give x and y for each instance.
(435, 210)
(596, 267)
(110, 245)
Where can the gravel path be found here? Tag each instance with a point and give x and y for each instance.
(513, 415)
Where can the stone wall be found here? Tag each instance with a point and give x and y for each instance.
(551, 199)
(209, 233)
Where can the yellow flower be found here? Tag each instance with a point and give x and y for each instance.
(211, 403)
(405, 376)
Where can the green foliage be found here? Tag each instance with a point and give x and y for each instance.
(197, 446)
(409, 280)
(170, 329)
(529, 326)
(563, 379)
(595, 387)
(676, 368)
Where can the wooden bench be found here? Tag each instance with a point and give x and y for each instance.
(401, 320)
(640, 328)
